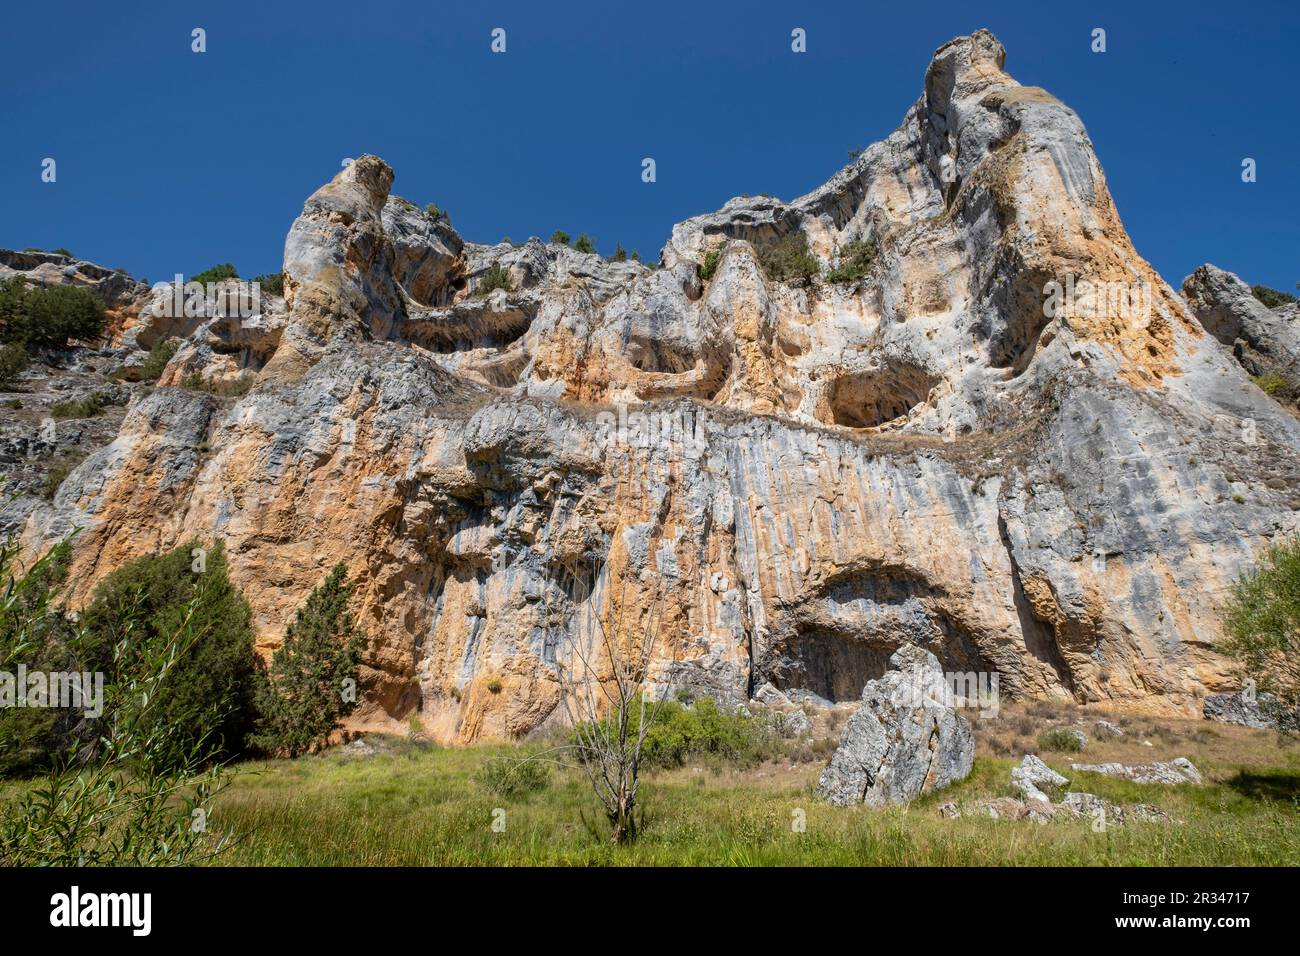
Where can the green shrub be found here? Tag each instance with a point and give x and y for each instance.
(620, 254)
(272, 283)
(494, 277)
(118, 790)
(788, 259)
(48, 316)
(1271, 298)
(1059, 739)
(1278, 385)
(13, 359)
(63, 252)
(151, 369)
(703, 731)
(87, 406)
(33, 633)
(560, 236)
(301, 700)
(218, 273)
(584, 243)
(512, 777)
(208, 697)
(855, 260)
(710, 264)
(494, 685)
(1262, 621)
(437, 212)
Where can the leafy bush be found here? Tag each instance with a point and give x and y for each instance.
(1262, 621)
(1060, 739)
(620, 254)
(788, 259)
(1271, 298)
(33, 633)
(855, 260)
(494, 277)
(119, 790)
(210, 690)
(151, 369)
(303, 697)
(88, 406)
(702, 730)
(560, 236)
(48, 316)
(13, 359)
(437, 212)
(510, 777)
(584, 243)
(710, 264)
(1278, 385)
(272, 283)
(218, 273)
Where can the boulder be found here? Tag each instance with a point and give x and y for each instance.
(1178, 770)
(906, 738)
(1004, 808)
(1261, 710)
(1033, 774)
(1104, 728)
(1091, 806)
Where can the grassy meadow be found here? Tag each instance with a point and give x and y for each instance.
(411, 803)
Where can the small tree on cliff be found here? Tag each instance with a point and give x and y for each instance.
(1262, 621)
(311, 684)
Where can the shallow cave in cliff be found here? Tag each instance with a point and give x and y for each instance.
(830, 665)
(877, 397)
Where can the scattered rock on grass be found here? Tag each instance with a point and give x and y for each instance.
(1178, 770)
(906, 739)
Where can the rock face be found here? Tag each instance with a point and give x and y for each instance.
(1261, 710)
(1264, 340)
(906, 739)
(794, 477)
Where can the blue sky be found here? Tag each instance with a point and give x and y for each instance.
(172, 161)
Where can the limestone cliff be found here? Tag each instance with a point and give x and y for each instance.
(791, 478)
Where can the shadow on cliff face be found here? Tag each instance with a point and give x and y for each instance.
(843, 635)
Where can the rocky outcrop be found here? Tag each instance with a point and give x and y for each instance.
(905, 740)
(1263, 340)
(1032, 775)
(796, 477)
(1178, 770)
(1261, 710)
(123, 294)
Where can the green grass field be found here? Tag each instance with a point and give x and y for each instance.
(417, 804)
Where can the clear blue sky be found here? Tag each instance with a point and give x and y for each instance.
(172, 161)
